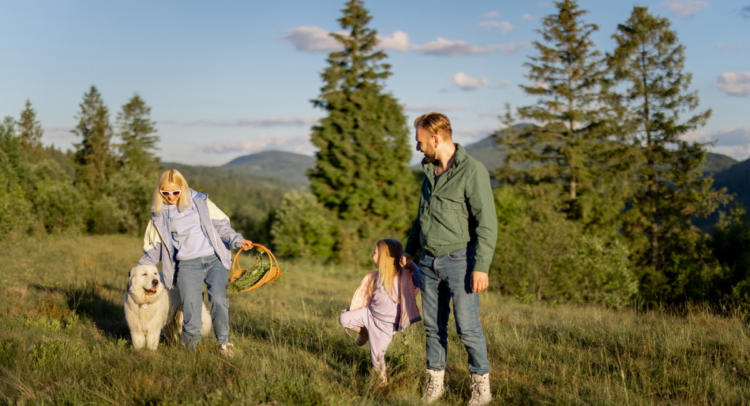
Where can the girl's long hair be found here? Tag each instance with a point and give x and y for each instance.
(390, 252)
(171, 176)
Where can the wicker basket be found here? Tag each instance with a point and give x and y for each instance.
(270, 276)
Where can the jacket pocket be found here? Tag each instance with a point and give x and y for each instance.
(452, 217)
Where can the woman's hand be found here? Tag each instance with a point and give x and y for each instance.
(247, 244)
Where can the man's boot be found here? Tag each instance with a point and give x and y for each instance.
(434, 389)
(480, 390)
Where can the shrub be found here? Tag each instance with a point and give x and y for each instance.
(302, 228)
(605, 275)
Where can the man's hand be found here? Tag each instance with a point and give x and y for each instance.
(247, 244)
(480, 281)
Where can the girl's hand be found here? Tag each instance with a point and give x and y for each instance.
(247, 244)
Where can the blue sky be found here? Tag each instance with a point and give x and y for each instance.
(228, 78)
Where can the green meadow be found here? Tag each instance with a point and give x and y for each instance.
(63, 340)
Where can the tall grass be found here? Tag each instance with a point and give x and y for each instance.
(63, 340)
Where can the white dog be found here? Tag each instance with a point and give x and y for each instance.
(151, 309)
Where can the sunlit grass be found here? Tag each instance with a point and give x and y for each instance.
(63, 340)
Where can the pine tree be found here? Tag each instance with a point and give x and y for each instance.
(138, 134)
(93, 155)
(574, 157)
(650, 60)
(30, 130)
(361, 171)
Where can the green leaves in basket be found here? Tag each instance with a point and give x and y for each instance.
(252, 275)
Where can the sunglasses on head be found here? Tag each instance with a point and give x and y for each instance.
(174, 193)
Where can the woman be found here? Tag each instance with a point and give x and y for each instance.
(192, 238)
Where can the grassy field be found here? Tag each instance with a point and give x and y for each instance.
(63, 341)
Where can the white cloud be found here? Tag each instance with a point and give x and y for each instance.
(684, 8)
(503, 84)
(58, 132)
(427, 108)
(398, 41)
(316, 39)
(296, 143)
(444, 47)
(503, 26)
(729, 47)
(263, 122)
(468, 83)
(491, 14)
(734, 142)
(311, 39)
(527, 17)
(735, 83)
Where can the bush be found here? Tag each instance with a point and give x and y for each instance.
(605, 274)
(59, 206)
(302, 228)
(534, 247)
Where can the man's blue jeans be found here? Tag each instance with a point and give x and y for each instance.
(191, 274)
(443, 278)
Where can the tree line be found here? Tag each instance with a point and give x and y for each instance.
(597, 195)
(595, 201)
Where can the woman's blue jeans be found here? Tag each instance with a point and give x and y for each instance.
(445, 278)
(191, 274)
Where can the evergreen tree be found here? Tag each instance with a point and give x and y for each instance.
(30, 130)
(138, 134)
(575, 157)
(650, 60)
(361, 171)
(93, 155)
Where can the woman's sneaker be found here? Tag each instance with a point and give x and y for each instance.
(363, 337)
(435, 385)
(480, 390)
(226, 350)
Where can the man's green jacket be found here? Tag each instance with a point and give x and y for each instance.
(458, 212)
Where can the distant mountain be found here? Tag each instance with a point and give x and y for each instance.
(274, 164)
(716, 163)
(488, 153)
(202, 178)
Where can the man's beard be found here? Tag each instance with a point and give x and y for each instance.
(429, 156)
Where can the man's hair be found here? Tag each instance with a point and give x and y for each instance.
(435, 123)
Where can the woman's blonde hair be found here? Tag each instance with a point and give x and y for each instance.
(171, 176)
(390, 252)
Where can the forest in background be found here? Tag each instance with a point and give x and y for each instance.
(596, 200)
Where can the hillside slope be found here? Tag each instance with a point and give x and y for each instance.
(274, 164)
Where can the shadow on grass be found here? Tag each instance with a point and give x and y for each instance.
(102, 304)
(339, 350)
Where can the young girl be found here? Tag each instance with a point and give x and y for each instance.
(384, 303)
(192, 239)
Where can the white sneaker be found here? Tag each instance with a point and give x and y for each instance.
(435, 385)
(226, 350)
(480, 390)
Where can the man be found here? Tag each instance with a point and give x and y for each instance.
(457, 228)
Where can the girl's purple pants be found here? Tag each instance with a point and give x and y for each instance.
(380, 333)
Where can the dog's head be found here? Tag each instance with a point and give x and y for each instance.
(145, 284)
